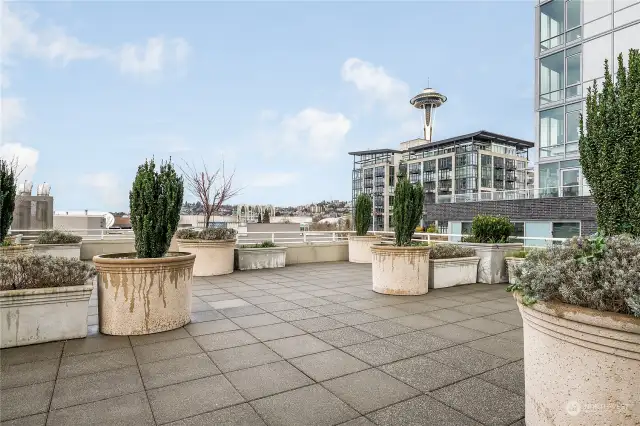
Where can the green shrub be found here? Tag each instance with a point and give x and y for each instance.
(8, 178)
(610, 148)
(364, 206)
(264, 244)
(490, 230)
(407, 210)
(155, 202)
(431, 229)
(519, 254)
(209, 234)
(599, 273)
(57, 237)
(38, 271)
(450, 251)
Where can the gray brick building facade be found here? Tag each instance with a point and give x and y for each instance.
(580, 209)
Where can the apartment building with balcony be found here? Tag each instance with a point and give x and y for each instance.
(462, 168)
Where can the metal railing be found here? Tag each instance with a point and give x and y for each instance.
(517, 194)
(86, 234)
(294, 237)
(388, 236)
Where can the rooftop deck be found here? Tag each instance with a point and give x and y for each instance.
(303, 345)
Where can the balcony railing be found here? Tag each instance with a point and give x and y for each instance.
(518, 194)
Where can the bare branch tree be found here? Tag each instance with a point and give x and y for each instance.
(212, 189)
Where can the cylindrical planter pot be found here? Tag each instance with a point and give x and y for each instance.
(69, 251)
(143, 296)
(512, 264)
(400, 270)
(451, 272)
(581, 365)
(247, 258)
(16, 250)
(360, 247)
(39, 315)
(213, 257)
(492, 268)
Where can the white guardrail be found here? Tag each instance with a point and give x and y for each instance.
(290, 237)
(454, 238)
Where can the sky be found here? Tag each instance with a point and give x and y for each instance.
(278, 91)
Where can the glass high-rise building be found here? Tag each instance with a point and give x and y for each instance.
(573, 38)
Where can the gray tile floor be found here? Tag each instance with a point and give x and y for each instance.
(303, 345)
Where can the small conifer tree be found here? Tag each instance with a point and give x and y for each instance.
(363, 214)
(407, 210)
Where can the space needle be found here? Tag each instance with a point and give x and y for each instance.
(428, 100)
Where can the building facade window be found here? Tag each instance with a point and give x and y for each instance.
(552, 132)
(574, 74)
(551, 24)
(552, 78)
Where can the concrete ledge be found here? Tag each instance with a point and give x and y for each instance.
(316, 252)
(92, 248)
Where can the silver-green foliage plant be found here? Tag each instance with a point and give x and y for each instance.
(8, 177)
(364, 206)
(407, 210)
(155, 201)
(210, 234)
(610, 148)
(57, 237)
(598, 273)
(450, 251)
(25, 272)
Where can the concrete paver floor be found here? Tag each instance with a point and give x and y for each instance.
(302, 345)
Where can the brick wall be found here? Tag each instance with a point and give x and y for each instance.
(565, 208)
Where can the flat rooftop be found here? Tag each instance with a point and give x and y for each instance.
(302, 345)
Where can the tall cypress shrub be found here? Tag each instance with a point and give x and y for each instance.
(407, 210)
(7, 196)
(364, 207)
(155, 200)
(610, 147)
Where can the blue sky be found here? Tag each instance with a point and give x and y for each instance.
(280, 90)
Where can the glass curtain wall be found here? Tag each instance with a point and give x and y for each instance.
(560, 23)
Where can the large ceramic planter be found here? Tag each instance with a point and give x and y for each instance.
(69, 251)
(581, 365)
(451, 272)
(512, 264)
(492, 268)
(360, 247)
(247, 258)
(41, 315)
(143, 296)
(16, 250)
(213, 257)
(400, 270)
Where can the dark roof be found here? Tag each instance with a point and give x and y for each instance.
(479, 135)
(376, 151)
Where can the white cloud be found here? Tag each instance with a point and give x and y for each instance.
(12, 112)
(27, 158)
(377, 87)
(107, 184)
(274, 179)
(21, 37)
(318, 133)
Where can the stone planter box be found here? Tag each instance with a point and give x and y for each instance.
(512, 263)
(492, 268)
(451, 272)
(213, 257)
(39, 315)
(260, 258)
(400, 270)
(69, 251)
(580, 365)
(143, 296)
(360, 247)
(16, 250)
